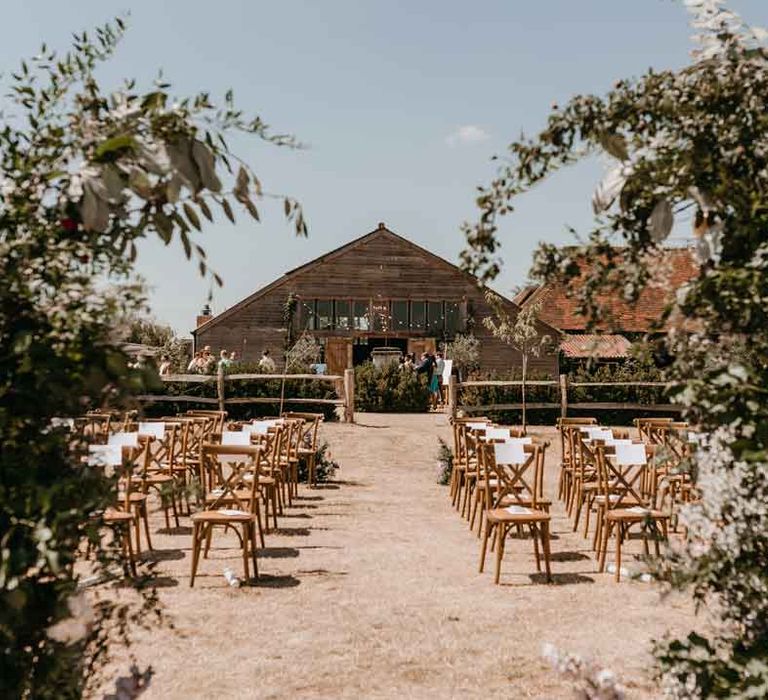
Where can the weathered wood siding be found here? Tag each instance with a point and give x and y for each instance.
(380, 265)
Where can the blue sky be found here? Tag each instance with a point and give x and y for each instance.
(402, 104)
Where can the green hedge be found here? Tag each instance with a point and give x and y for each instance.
(235, 388)
(390, 390)
(629, 372)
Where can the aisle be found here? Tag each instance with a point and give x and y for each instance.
(370, 589)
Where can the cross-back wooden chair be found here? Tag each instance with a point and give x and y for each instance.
(307, 440)
(463, 461)
(515, 467)
(133, 490)
(628, 483)
(564, 481)
(218, 418)
(120, 515)
(232, 503)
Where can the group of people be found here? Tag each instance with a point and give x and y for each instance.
(205, 362)
(432, 366)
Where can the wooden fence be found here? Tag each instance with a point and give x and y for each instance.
(344, 385)
(563, 385)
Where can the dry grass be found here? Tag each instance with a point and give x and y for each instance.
(371, 590)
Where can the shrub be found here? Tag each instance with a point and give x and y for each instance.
(390, 390)
(325, 466)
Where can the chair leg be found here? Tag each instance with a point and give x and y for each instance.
(253, 550)
(246, 538)
(208, 533)
(195, 551)
(484, 547)
(619, 538)
(501, 532)
(545, 547)
(535, 538)
(607, 528)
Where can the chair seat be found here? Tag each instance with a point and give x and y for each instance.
(112, 515)
(502, 515)
(636, 513)
(541, 503)
(217, 516)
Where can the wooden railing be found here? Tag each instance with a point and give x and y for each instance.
(344, 385)
(563, 385)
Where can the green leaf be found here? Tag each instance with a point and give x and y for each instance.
(240, 190)
(228, 210)
(187, 245)
(206, 164)
(218, 280)
(113, 145)
(249, 205)
(164, 226)
(192, 216)
(205, 209)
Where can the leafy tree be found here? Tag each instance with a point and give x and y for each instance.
(84, 175)
(464, 350)
(689, 145)
(522, 333)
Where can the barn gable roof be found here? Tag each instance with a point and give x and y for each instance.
(379, 232)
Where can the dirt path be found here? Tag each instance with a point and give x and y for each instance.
(371, 590)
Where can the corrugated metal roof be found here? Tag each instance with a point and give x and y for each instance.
(607, 346)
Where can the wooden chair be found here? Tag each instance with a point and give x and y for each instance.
(308, 440)
(232, 503)
(133, 488)
(564, 482)
(512, 464)
(628, 484)
(462, 460)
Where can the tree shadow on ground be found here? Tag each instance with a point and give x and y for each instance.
(277, 552)
(164, 582)
(296, 515)
(375, 427)
(320, 572)
(309, 498)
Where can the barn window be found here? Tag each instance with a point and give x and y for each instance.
(399, 315)
(453, 317)
(435, 317)
(343, 315)
(418, 315)
(380, 316)
(361, 318)
(324, 315)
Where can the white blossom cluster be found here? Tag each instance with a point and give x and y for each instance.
(591, 681)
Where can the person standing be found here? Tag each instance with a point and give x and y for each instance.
(439, 368)
(266, 363)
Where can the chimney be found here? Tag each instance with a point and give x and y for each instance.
(205, 316)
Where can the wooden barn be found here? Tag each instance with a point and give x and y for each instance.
(379, 290)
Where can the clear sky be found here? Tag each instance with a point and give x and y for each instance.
(402, 103)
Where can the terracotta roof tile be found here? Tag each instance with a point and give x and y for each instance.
(606, 346)
(674, 267)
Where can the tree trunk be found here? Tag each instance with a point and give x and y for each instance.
(525, 371)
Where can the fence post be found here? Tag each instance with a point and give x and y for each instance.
(563, 395)
(349, 395)
(452, 395)
(220, 386)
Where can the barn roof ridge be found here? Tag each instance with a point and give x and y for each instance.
(381, 229)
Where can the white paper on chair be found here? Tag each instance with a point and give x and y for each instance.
(600, 434)
(477, 426)
(630, 455)
(517, 510)
(509, 453)
(496, 434)
(520, 440)
(232, 511)
(447, 369)
(622, 441)
(256, 428)
(105, 455)
(230, 437)
(124, 439)
(156, 430)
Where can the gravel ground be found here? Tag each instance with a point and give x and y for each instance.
(370, 589)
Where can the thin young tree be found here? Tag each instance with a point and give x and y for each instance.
(521, 332)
